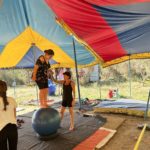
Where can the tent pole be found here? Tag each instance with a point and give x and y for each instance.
(76, 67)
(33, 45)
(14, 83)
(99, 81)
(129, 77)
(147, 107)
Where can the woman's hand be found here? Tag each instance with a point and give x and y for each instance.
(51, 72)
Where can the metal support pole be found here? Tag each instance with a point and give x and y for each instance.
(99, 81)
(147, 107)
(76, 67)
(129, 74)
(14, 83)
(33, 46)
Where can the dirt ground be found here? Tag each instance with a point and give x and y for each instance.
(127, 134)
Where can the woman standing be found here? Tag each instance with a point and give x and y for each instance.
(40, 75)
(8, 127)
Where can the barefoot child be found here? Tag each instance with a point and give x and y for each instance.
(8, 127)
(68, 96)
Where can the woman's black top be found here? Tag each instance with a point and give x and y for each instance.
(42, 72)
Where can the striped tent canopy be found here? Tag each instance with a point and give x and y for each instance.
(106, 31)
(27, 28)
(114, 30)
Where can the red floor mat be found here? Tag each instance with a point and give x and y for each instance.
(100, 137)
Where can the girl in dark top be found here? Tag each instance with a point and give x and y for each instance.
(68, 98)
(40, 75)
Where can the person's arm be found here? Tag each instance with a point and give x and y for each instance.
(15, 113)
(56, 81)
(15, 107)
(39, 62)
(35, 72)
(73, 90)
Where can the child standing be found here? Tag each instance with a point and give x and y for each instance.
(8, 127)
(68, 99)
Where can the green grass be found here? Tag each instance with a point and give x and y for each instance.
(91, 91)
(138, 91)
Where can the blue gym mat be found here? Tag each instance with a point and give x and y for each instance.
(125, 106)
(66, 140)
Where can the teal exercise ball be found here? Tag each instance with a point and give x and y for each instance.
(46, 121)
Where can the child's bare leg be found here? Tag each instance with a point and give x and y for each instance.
(62, 111)
(71, 118)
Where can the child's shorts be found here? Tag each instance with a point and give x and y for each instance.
(67, 103)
